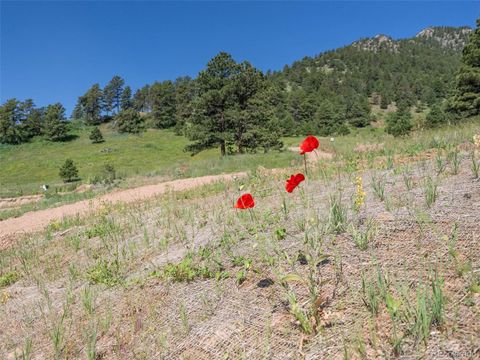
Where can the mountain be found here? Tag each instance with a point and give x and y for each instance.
(420, 69)
(447, 37)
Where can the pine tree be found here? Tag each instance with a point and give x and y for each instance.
(77, 113)
(10, 117)
(91, 104)
(162, 97)
(210, 124)
(466, 101)
(126, 99)
(112, 94)
(129, 121)
(54, 125)
(358, 112)
(436, 117)
(96, 136)
(68, 171)
(399, 123)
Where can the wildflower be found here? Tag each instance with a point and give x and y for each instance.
(293, 182)
(5, 297)
(476, 140)
(245, 202)
(309, 144)
(359, 194)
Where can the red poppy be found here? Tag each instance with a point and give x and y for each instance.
(293, 182)
(245, 202)
(309, 144)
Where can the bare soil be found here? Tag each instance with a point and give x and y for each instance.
(36, 220)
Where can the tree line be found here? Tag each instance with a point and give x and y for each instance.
(237, 108)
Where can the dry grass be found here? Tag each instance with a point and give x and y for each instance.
(186, 276)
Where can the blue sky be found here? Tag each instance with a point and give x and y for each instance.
(54, 51)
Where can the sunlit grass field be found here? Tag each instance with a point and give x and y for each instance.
(160, 153)
(24, 168)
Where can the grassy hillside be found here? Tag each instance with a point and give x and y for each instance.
(156, 152)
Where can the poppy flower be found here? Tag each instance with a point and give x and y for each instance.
(245, 202)
(309, 144)
(293, 182)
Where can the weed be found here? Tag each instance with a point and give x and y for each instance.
(338, 215)
(362, 237)
(475, 165)
(430, 191)
(105, 273)
(9, 278)
(378, 185)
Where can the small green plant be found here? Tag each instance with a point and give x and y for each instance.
(378, 185)
(8, 278)
(337, 216)
(440, 163)
(88, 300)
(371, 295)
(26, 353)
(455, 161)
(362, 237)
(430, 191)
(91, 341)
(300, 314)
(184, 317)
(475, 165)
(105, 273)
(390, 160)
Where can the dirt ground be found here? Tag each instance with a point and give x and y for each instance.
(37, 220)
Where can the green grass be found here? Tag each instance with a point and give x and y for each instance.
(156, 152)
(161, 153)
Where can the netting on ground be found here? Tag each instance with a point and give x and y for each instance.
(252, 319)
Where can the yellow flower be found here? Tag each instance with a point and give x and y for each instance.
(476, 140)
(5, 297)
(360, 193)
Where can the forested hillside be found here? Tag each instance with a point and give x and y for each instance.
(236, 107)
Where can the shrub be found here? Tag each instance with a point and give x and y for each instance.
(129, 121)
(68, 171)
(399, 123)
(435, 117)
(96, 136)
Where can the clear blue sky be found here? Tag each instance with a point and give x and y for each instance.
(54, 51)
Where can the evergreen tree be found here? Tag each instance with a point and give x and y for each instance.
(91, 104)
(96, 136)
(399, 123)
(112, 94)
(358, 112)
(210, 124)
(436, 117)
(54, 125)
(126, 98)
(10, 117)
(141, 99)
(33, 124)
(327, 119)
(129, 121)
(68, 171)
(162, 98)
(77, 113)
(466, 100)
(185, 92)
(30, 120)
(384, 102)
